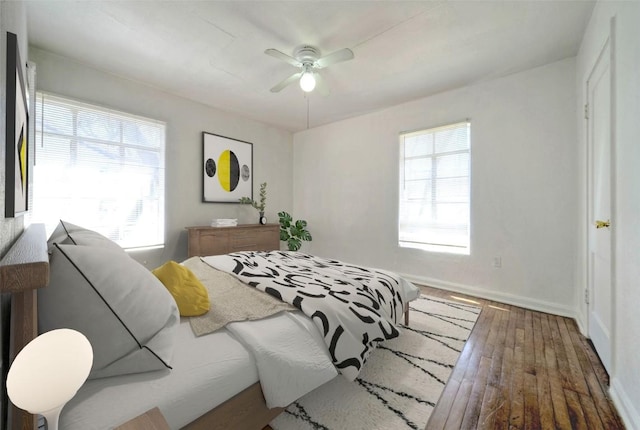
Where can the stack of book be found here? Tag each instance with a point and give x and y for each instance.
(224, 222)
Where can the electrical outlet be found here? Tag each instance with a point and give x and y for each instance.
(497, 262)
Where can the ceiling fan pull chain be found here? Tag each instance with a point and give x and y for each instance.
(306, 96)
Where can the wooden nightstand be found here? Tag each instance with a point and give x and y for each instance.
(150, 420)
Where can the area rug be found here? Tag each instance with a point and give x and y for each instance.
(401, 380)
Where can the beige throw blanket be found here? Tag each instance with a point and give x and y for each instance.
(231, 300)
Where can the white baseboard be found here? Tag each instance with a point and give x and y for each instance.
(511, 299)
(627, 411)
(582, 326)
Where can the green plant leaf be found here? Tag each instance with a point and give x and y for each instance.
(263, 198)
(284, 235)
(248, 201)
(294, 244)
(285, 219)
(293, 232)
(305, 235)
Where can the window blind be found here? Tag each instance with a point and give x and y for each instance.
(434, 206)
(101, 169)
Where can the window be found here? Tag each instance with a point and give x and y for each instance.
(100, 169)
(434, 209)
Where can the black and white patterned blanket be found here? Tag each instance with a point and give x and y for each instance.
(354, 307)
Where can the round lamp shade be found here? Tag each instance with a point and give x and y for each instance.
(307, 81)
(48, 372)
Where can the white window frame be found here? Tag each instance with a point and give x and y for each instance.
(429, 231)
(134, 215)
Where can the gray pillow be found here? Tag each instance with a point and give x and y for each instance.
(126, 313)
(71, 234)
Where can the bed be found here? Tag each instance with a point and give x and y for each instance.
(217, 380)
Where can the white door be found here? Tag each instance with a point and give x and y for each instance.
(599, 231)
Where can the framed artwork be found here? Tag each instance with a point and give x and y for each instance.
(17, 116)
(227, 169)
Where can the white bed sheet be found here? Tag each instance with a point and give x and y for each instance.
(207, 370)
(291, 356)
(410, 290)
(210, 369)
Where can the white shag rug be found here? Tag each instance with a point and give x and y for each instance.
(401, 381)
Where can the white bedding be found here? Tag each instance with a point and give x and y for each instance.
(290, 354)
(291, 359)
(206, 371)
(354, 307)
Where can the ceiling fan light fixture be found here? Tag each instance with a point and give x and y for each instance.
(307, 81)
(309, 60)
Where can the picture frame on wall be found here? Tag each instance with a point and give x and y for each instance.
(227, 169)
(17, 126)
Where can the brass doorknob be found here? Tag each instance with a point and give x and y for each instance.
(602, 224)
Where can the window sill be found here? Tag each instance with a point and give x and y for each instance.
(442, 249)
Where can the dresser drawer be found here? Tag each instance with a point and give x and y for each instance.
(211, 242)
(204, 241)
(244, 241)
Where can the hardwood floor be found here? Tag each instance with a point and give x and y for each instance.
(522, 369)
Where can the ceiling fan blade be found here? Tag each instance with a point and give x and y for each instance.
(321, 85)
(282, 56)
(335, 57)
(291, 79)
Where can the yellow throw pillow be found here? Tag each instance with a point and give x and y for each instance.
(187, 290)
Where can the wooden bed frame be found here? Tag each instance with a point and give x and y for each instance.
(24, 269)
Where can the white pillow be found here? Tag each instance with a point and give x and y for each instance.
(71, 234)
(123, 309)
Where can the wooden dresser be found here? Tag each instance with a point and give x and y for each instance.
(203, 241)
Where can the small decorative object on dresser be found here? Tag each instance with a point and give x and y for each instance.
(203, 240)
(258, 206)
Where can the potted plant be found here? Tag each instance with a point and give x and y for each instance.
(258, 206)
(293, 232)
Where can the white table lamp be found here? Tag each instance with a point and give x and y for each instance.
(48, 372)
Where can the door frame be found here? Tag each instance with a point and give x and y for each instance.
(588, 297)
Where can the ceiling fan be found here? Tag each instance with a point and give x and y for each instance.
(308, 60)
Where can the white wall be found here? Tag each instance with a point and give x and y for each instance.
(524, 186)
(625, 377)
(186, 120)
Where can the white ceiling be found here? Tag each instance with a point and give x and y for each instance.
(213, 51)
